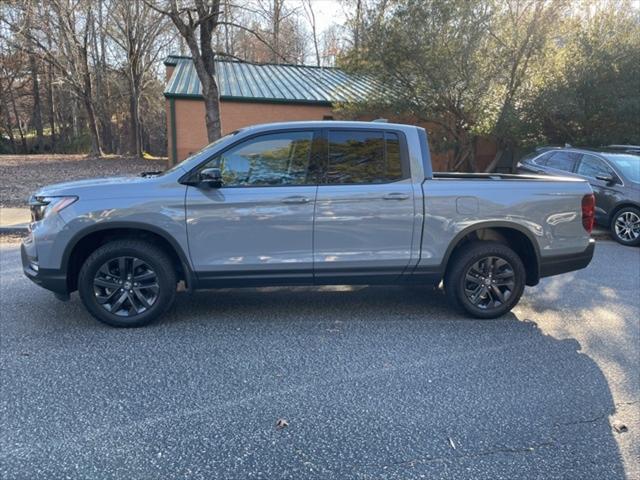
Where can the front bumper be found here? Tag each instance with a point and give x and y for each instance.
(567, 263)
(54, 280)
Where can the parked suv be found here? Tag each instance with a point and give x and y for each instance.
(306, 203)
(614, 175)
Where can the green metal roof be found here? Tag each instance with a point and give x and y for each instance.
(269, 83)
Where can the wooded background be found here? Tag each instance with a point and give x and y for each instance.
(87, 76)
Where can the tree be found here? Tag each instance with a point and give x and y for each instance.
(69, 33)
(589, 92)
(142, 37)
(197, 23)
(311, 18)
(458, 65)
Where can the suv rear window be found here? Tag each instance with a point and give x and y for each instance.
(359, 156)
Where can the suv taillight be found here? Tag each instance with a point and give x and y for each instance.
(588, 211)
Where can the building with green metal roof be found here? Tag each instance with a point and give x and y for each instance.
(252, 93)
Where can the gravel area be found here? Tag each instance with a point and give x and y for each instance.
(22, 174)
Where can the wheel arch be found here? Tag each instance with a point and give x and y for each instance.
(618, 207)
(89, 239)
(515, 236)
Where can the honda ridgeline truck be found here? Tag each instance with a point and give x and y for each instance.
(305, 203)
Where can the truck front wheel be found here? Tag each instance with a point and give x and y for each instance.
(127, 283)
(485, 279)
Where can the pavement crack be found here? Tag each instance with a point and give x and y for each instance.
(577, 422)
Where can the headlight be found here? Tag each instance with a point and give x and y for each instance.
(41, 207)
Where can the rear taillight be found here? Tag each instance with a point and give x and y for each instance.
(588, 211)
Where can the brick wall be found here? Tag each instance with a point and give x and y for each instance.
(191, 132)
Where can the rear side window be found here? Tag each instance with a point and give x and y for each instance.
(565, 161)
(591, 166)
(542, 159)
(359, 156)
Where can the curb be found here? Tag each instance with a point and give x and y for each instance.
(18, 229)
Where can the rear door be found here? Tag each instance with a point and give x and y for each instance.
(364, 215)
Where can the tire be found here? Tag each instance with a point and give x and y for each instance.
(625, 226)
(474, 259)
(144, 283)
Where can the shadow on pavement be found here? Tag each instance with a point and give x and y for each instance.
(375, 382)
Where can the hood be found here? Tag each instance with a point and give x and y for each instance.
(100, 187)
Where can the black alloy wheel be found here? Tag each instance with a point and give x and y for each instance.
(126, 286)
(127, 283)
(489, 282)
(485, 279)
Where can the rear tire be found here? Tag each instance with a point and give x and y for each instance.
(625, 226)
(485, 279)
(127, 283)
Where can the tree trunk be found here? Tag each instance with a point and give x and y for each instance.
(23, 141)
(96, 147)
(51, 109)
(496, 160)
(87, 98)
(7, 120)
(37, 104)
(212, 116)
(135, 135)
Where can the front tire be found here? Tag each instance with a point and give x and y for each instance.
(625, 226)
(127, 283)
(485, 279)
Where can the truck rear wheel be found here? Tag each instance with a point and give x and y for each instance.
(485, 279)
(127, 283)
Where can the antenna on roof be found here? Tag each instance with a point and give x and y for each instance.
(380, 120)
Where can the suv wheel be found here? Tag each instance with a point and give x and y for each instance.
(485, 279)
(127, 283)
(625, 226)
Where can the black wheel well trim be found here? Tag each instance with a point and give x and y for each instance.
(128, 225)
(460, 236)
(620, 206)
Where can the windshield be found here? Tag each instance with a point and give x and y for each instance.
(199, 152)
(628, 164)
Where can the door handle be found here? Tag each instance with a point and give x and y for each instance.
(296, 199)
(395, 196)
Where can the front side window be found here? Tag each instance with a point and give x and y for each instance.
(563, 161)
(267, 160)
(592, 167)
(628, 163)
(359, 156)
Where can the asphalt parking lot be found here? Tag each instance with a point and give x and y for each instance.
(374, 382)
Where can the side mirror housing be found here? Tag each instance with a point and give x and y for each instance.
(211, 177)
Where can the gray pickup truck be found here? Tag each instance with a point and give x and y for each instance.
(305, 203)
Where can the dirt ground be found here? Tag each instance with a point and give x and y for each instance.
(20, 175)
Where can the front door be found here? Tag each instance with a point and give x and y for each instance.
(258, 227)
(591, 167)
(364, 208)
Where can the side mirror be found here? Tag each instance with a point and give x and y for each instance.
(608, 179)
(211, 177)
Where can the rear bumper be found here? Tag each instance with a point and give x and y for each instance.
(54, 280)
(567, 263)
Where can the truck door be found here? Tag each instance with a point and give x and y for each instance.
(364, 216)
(259, 225)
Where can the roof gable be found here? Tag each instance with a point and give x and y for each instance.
(270, 83)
